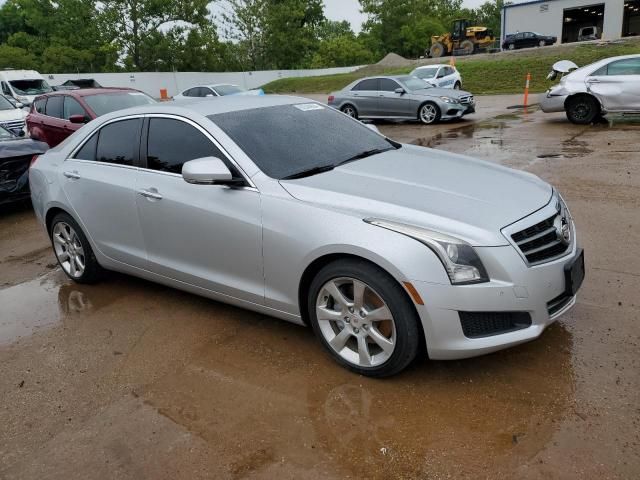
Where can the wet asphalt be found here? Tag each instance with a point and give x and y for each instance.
(128, 379)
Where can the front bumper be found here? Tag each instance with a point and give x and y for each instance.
(552, 103)
(514, 287)
(451, 111)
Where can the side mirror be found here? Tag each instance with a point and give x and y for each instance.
(207, 171)
(400, 90)
(78, 119)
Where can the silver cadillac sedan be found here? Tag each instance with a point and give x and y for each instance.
(292, 209)
(401, 98)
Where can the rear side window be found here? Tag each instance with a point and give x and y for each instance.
(118, 142)
(171, 143)
(39, 105)
(88, 150)
(54, 106)
(72, 107)
(369, 84)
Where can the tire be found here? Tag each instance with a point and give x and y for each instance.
(73, 251)
(350, 110)
(354, 331)
(582, 109)
(512, 46)
(542, 43)
(429, 113)
(468, 47)
(437, 50)
(457, 86)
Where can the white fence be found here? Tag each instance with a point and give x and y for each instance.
(176, 82)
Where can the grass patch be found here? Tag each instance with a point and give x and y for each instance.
(492, 74)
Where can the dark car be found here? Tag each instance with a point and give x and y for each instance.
(527, 40)
(16, 154)
(81, 83)
(55, 116)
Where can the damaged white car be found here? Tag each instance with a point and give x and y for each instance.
(607, 86)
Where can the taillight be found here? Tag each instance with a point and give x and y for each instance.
(33, 160)
(331, 98)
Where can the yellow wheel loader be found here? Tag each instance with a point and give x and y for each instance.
(462, 40)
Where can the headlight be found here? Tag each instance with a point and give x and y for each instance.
(459, 258)
(449, 100)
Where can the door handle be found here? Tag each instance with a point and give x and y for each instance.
(150, 194)
(593, 80)
(74, 175)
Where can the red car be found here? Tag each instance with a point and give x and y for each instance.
(55, 116)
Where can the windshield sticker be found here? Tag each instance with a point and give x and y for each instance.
(305, 107)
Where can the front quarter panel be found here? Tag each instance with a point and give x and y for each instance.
(296, 233)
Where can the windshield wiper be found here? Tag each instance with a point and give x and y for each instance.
(365, 154)
(309, 172)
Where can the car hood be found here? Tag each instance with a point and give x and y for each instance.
(470, 199)
(440, 92)
(11, 115)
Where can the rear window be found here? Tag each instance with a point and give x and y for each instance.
(104, 103)
(286, 139)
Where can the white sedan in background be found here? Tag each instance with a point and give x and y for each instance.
(216, 90)
(443, 76)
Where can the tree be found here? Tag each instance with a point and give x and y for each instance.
(15, 57)
(342, 51)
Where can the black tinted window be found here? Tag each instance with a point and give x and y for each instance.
(54, 106)
(39, 105)
(118, 142)
(172, 142)
(287, 139)
(370, 84)
(387, 85)
(88, 150)
(72, 107)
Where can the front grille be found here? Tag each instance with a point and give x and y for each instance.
(544, 241)
(13, 124)
(466, 100)
(487, 324)
(558, 303)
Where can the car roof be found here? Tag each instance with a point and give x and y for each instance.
(86, 92)
(433, 65)
(212, 85)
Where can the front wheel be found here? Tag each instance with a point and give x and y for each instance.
(582, 110)
(429, 113)
(73, 251)
(364, 318)
(542, 43)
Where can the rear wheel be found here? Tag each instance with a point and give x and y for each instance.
(437, 50)
(73, 251)
(512, 46)
(429, 113)
(582, 109)
(467, 47)
(349, 110)
(364, 318)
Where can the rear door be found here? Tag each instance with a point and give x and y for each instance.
(204, 235)
(364, 95)
(617, 85)
(99, 182)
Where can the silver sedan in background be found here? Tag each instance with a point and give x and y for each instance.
(292, 209)
(402, 98)
(607, 86)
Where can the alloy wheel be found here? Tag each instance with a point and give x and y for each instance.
(348, 110)
(428, 113)
(68, 249)
(356, 322)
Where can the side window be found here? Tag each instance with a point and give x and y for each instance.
(369, 84)
(72, 107)
(628, 66)
(189, 92)
(388, 85)
(88, 150)
(54, 106)
(118, 142)
(171, 143)
(39, 105)
(518, 36)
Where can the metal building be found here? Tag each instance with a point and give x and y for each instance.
(565, 18)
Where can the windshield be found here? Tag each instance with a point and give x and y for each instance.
(5, 135)
(228, 89)
(5, 104)
(110, 102)
(413, 83)
(425, 72)
(286, 140)
(30, 87)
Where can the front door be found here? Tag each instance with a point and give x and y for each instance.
(204, 235)
(617, 85)
(99, 183)
(394, 104)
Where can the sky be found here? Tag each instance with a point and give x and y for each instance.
(350, 10)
